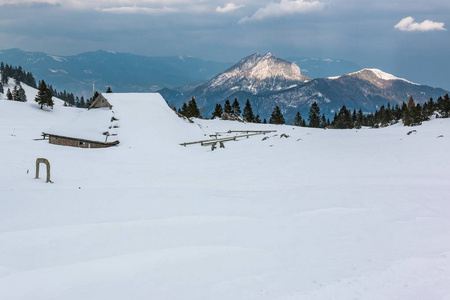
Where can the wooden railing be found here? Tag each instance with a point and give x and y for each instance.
(230, 138)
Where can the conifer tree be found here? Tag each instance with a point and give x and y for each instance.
(235, 107)
(1, 88)
(314, 115)
(49, 98)
(15, 93)
(257, 119)
(227, 107)
(9, 95)
(109, 90)
(21, 94)
(277, 116)
(264, 121)
(184, 109)
(323, 121)
(44, 96)
(248, 112)
(193, 110)
(298, 119)
(343, 120)
(4, 79)
(218, 111)
(406, 115)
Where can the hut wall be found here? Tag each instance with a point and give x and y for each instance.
(76, 143)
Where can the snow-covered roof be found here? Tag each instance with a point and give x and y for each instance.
(134, 118)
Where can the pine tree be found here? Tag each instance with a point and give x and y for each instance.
(323, 121)
(22, 95)
(49, 98)
(248, 112)
(264, 121)
(257, 119)
(44, 96)
(359, 119)
(109, 90)
(15, 93)
(4, 79)
(184, 109)
(9, 96)
(192, 109)
(406, 115)
(276, 117)
(235, 107)
(218, 111)
(227, 107)
(314, 115)
(343, 119)
(298, 119)
(1, 88)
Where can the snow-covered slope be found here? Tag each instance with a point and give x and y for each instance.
(322, 214)
(29, 91)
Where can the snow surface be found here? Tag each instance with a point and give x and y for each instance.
(322, 214)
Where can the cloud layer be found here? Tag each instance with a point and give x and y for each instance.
(408, 24)
(229, 7)
(285, 7)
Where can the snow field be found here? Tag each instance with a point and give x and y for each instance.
(323, 214)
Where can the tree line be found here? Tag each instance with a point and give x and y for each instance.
(410, 113)
(18, 93)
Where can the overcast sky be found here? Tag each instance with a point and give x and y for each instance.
(408, 38)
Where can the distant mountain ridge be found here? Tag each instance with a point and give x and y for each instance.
(124, 72)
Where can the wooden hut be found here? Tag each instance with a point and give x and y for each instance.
(99, 102)
(76, 142)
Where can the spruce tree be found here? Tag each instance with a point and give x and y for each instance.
(298, 119)
(49, 98)
(227, 107)
(109, 90)
(4, 79)
(193, 110)
(406, 115)
(184, 109)
(257, 119)
(22, 96)
(44, 95)
(15, 93)
(323, 121)
(218, 111)
(276, 117)
(235, 107)
(9, 95)
(343, 120)
(248, 112)
(314, 115)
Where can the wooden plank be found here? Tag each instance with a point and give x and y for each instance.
(226, 139)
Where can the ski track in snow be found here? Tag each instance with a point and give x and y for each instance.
(323, 214)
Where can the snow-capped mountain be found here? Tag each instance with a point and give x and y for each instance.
(367, 89)
(254, 74)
